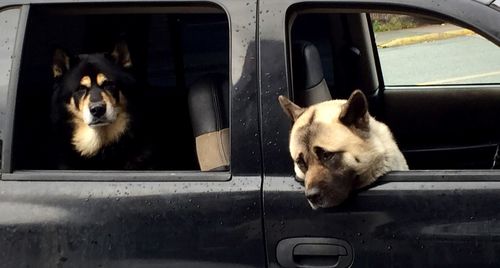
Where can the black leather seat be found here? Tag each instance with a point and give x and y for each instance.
(208, 100)
(309, 83)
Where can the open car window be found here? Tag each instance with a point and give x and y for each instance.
(109, 87)
(435, 84)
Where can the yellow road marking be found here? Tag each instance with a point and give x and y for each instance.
(460, 78)
(425, 38)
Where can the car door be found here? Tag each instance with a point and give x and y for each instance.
(178, 216)
(427, 217)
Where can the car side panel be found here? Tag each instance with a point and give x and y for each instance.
(117, 224)
(395, 224)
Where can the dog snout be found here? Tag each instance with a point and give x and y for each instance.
(97, 109)
(313, 195)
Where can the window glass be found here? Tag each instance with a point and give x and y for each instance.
(418, 51)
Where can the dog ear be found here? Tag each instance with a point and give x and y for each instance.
(60, 62)
(121, 55)
(291, 109)
(355, 111)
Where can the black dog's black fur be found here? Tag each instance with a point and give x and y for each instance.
(129, 151)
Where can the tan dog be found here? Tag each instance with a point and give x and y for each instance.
(337, 146)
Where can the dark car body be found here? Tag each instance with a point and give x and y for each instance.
(256, 215)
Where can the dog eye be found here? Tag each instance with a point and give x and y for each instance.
(82, 90)
(327, 156)
(323, 155)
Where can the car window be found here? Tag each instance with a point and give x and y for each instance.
(420, 51)
(451, 125)
(138, 79)
(8, 28)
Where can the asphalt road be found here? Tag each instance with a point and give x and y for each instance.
(460, 60)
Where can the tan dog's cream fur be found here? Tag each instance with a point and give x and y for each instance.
(337, 147)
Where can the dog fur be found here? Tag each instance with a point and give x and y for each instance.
(92, 111)
(337, 146)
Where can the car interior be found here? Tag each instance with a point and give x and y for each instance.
(436, 127)
(185, 84)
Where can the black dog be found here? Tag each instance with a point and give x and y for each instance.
(92, 111)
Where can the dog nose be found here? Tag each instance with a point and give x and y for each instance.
(313, 194)
(97, 109)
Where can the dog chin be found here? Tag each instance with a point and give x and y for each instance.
(99, 124)
(323, 204)
(319, 205)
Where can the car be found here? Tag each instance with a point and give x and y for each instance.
(223, 192)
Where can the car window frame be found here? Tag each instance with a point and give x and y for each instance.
(276, 147)
(241, 163)
(8, 65)
(12, 89)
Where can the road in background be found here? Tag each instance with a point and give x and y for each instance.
(437, 54)
(460, 60)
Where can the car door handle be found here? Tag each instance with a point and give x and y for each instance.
(314, 252)
(319, 250)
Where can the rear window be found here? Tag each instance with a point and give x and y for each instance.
(164, 49)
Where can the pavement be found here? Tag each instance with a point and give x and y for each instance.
(420, 34)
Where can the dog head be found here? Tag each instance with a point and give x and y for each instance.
(91, 87)
(329, 147)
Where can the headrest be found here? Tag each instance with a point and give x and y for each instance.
(309, 84)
